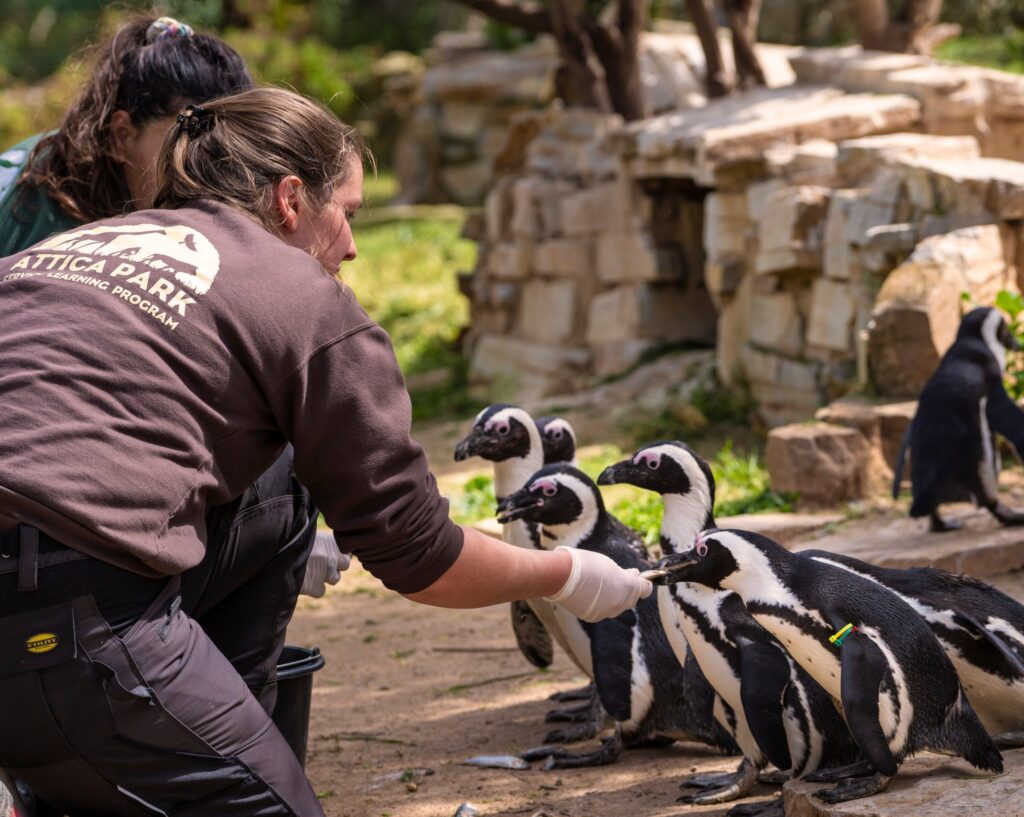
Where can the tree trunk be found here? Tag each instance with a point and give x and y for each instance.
(743, 16)
(231, 16)
(908, 33)
(580, 81)
(618, 50)
(716, 80)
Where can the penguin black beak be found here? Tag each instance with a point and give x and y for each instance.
(672, 568)
(467, 447)
(515, 506)
(613, 473)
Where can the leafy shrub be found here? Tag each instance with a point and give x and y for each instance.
(476, 502)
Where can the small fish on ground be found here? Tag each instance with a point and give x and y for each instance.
(497, 762)
(466, 810)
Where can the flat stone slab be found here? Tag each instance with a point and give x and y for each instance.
(982, 547)
(932, 785)
(782, 527)
(738, 130)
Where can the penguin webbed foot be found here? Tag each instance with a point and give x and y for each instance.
(836, 774)
(573, 734)
(707, 780)
(774, 777)
(854, 788)
(721, 788)
(1007, 516)
(571, 714)
(578, 694)
(558, 758)
(939, 525)
(760, 808)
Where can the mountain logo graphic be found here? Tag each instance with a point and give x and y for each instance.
(179, 250)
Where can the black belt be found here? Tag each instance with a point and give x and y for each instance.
(24, 540)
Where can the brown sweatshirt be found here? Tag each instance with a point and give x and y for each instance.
(154, 365)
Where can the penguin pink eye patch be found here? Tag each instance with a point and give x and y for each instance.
(546, 486)
(700, 546)
(501, 426)
(649, 459)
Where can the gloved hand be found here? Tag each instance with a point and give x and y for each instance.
(598, 588)
(324, 565)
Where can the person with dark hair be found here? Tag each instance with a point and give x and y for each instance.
(99, 162)
(151, 367)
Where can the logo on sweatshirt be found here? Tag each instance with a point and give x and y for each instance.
(159, 270)
(179, 250)
(42, 642)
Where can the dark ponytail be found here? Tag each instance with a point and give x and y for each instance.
(148, 77)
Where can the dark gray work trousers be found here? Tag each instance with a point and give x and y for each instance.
(123, 695)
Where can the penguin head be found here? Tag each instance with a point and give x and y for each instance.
(709, 561)
(500, 432)
(558, 438)
(666, 468)
(560, 498)
(989, 326)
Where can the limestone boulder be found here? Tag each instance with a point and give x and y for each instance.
(859, 159)
(917, 312)
(790, 225)
(825, 464)
(548, 310)
(882, 425)
(514, 368)
(831, 319)
(785, 389)
(778, 325)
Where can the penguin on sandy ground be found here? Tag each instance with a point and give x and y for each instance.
(508, 437)
(980, 628)
(951, 438)
(868, 648)
(775, 711)
(653, 697)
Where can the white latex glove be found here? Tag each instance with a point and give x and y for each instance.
(324, 566)
(598, 588)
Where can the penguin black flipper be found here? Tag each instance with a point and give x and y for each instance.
(764, 676)
(1005, 416)
(531, 635)
(863, 670)
(978, 630)
(613, 665)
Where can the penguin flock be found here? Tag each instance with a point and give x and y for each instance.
(817, 664)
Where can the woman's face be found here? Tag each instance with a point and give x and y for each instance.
(327, 235)
(137, 148)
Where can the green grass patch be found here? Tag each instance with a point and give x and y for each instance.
(406, 278)
(1002, 51)
(476, 502)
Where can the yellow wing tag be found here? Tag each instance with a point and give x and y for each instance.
(42, 642)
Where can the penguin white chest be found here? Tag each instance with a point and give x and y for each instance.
(819, 659)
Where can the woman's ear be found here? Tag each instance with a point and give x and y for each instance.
(288, 202)
(122, 135)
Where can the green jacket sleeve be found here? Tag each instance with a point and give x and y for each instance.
(27, 215)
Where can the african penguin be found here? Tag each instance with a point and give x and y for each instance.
(774, 710)
(980, 628)
(868, 648)
(641, 684)
(951, 438)
(508, 437)
(558, 438)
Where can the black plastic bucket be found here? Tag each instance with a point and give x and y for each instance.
(295, 694)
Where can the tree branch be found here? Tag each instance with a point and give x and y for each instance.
(527, 16)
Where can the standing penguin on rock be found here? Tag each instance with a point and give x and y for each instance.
(651, 695)
(951, 438)
(774, 710)
(508, 437)
(863, 644)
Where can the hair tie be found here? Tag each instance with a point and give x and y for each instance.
(167, 27)
(195, 120)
